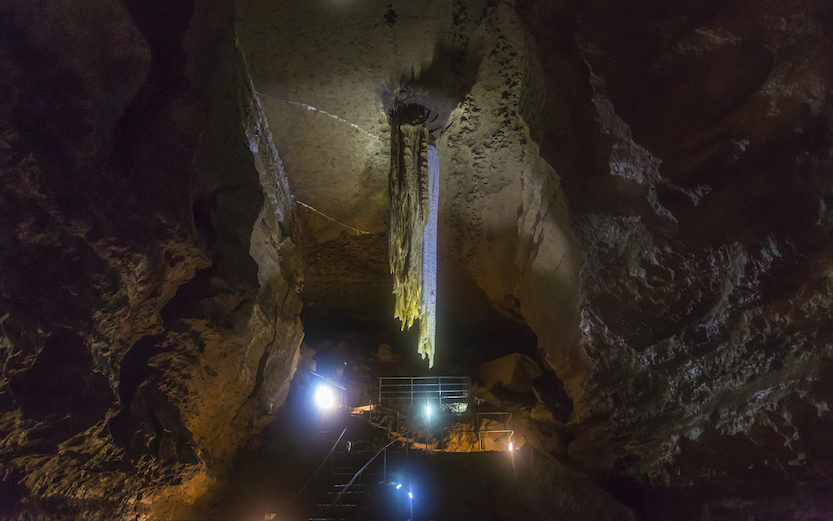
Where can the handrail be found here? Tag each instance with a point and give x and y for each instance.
(442, 389)
(372, 400)
(506, 424)
(336, 384)
(422, 377)
(371, 460)
(322, 463)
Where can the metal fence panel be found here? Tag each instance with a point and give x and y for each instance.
(441, 390)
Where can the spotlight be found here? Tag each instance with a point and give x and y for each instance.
(398, 486)
(511, 446)
(410, 495)
(324, 397)
(427, 410)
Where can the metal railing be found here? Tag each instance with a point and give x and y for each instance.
(504, 421)
(410, 390)
(444, 429)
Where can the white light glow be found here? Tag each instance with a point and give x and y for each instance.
(428, 304)
(511, 446)
(398, 486)
(428, 410)
(410, 495)
(325, 398)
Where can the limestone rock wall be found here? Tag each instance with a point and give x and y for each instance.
(701, 209)
(504, 216)
(148, 274)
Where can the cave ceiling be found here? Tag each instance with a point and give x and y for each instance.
(332, 98)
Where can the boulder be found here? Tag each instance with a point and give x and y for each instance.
(515, 373)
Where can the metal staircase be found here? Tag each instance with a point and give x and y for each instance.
(332, 501)
(353, 484)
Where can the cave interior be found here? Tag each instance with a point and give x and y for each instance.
(610, 222)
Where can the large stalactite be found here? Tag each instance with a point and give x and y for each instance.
(413, 224)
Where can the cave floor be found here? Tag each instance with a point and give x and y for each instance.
(275, 480)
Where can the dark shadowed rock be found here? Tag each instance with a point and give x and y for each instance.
(145, 258)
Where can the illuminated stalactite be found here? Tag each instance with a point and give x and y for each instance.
(414, 191)
(428, 307)
(409, 161)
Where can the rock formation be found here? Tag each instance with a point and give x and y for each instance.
(646, 187)
(149, 307)
(414, 178)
